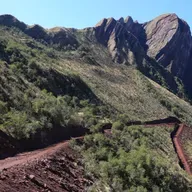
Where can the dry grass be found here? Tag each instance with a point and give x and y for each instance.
(126, 90)
(122, 87)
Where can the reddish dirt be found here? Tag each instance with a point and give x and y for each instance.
(179, 148)
(183, 135)
(33, 155)
(56, 168)
(179, 139)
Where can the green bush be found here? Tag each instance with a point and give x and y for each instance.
(135, 159)
(117, 125)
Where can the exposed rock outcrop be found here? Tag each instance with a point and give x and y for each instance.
(169, 42)
(166, 39)
(122, 44)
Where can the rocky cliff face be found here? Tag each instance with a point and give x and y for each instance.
(122, 44)
(167, 39)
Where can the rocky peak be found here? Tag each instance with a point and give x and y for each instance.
(104, 29)
(128, 21)
(167, 39)
(122, 44)
(169, 42)
(121, 20)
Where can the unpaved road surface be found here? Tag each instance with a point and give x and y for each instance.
(53, 169)
(27, 157)
(59, 168)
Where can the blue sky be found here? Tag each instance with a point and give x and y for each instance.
(85, 13)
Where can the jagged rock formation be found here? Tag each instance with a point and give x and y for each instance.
(169, 42)
(167, 39)
(122, 44)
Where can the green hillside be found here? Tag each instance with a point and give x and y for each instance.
(49, 91)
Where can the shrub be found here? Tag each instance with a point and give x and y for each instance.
(117, 125)
(131, 161)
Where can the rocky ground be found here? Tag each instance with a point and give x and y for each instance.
(57, 168)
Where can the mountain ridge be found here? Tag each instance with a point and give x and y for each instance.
(166, 39)
(58, 83)
(109, 42)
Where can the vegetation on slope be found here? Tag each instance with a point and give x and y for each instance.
(134, 158)
(48, 94)
(37, 102)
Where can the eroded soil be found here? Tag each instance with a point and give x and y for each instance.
(59, 168)
(56, 168)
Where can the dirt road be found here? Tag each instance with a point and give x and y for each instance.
(27, 157)
(58, 167)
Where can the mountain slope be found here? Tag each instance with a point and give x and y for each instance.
(59, 83)
(166, 39)
(87, 72)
